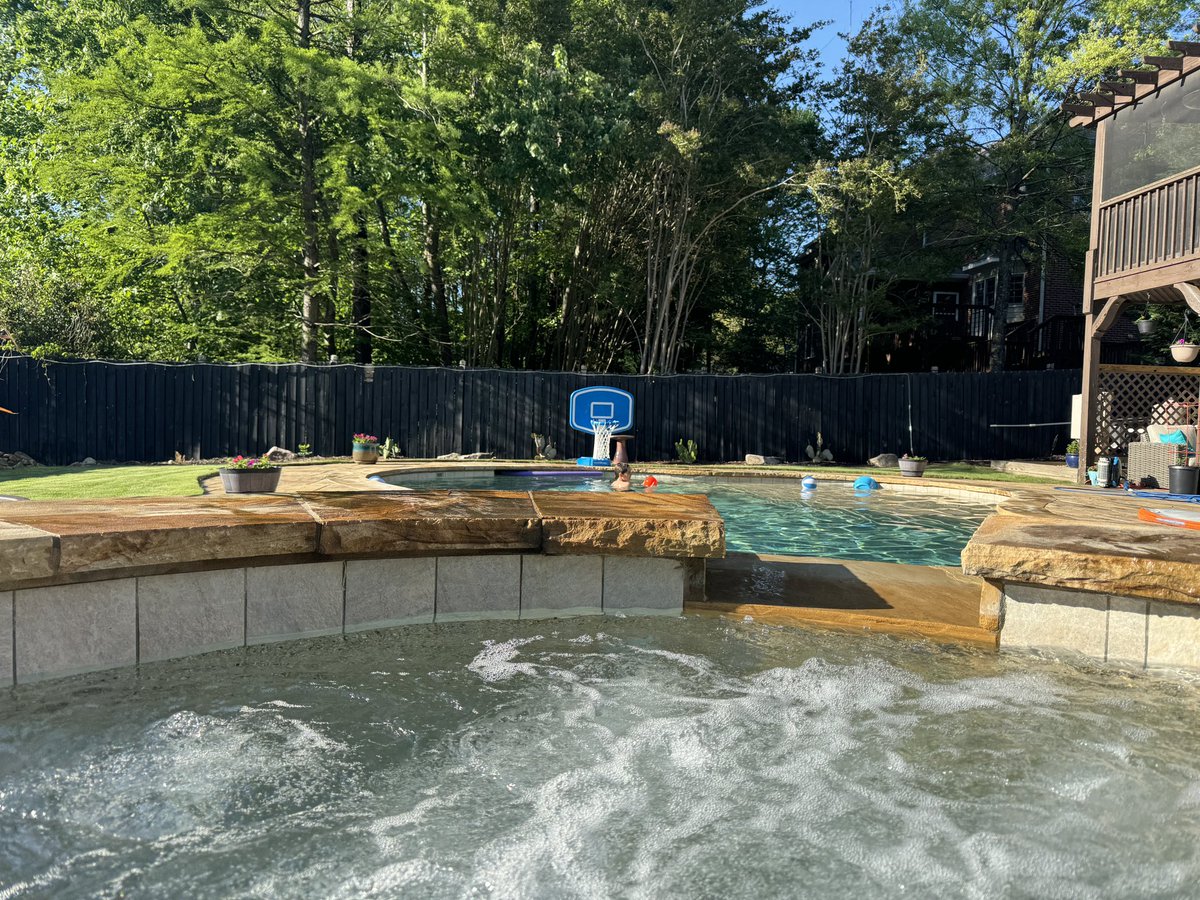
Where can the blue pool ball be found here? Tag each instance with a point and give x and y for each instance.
(865, 483)
(808, 483)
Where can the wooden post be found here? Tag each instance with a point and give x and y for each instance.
(1091, 338)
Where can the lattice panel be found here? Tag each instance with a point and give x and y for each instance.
(1130, 398)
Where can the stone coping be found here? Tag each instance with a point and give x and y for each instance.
(56, 542)
(1058, 536)
(1086, 540)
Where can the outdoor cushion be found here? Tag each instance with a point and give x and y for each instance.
(1175, 437)
(1155, 432)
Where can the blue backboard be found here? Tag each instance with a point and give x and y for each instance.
(612, 404)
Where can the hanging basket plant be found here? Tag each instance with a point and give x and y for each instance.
(1184, 351)
(1145, 326)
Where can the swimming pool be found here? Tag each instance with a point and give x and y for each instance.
(584, 758)
(778, 516)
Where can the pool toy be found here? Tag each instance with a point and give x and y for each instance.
(865, 483)
(1180, 518)
(649, 483)
(808, 483)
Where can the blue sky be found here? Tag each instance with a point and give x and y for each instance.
(843, 15)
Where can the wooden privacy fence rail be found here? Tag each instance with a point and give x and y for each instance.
(149, 411)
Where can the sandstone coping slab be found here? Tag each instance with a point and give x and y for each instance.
(1108, 553)
(634, 524)
(89, 540)
(99, 536)
(412, 523)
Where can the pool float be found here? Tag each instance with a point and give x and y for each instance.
(865, 483)
(649, 483)
(808, 483)
(1180, 518)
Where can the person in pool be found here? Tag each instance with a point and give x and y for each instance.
(622, 482)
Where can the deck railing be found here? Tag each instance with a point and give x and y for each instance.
(1157, 225)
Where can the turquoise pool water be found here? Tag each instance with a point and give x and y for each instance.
(641, 758)
(778, 516)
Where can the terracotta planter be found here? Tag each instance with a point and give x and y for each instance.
(1184, 353)
(250, 481)
(913, 468)
(366, 454)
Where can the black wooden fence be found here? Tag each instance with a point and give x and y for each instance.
(149, 411)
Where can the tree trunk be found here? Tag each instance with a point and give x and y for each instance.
(360, 291)
(310, 301)
(435, 286)
(999, 324)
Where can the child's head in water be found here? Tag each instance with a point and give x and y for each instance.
(621, 482)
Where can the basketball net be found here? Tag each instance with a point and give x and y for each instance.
(603, 429)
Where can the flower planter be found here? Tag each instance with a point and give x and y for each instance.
(1184, 479)
(1145, 326)
(913, 468)
(1184, 353)
(1072, 460)
(366, 454)
(250, 481)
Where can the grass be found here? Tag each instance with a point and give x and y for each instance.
(74, 483)
(958, 471)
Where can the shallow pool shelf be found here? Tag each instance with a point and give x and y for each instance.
(934, 602)
(90, 585)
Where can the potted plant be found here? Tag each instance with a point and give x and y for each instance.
(1145, 324)
(249, 475)
(1184, 351)
(366, 449)
(913, 466)
(1073, 455)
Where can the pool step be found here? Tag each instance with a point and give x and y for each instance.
(935, 602)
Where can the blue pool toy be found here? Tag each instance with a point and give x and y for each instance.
(865, 483)
(808, 483)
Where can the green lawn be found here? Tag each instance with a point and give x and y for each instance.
(68, 483)
(958, 470)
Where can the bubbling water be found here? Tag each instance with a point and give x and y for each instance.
(599, 758)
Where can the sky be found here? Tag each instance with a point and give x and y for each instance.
(843, 16)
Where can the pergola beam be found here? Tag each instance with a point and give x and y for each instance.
(1191, 295)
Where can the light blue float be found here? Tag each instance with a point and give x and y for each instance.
(865, 483)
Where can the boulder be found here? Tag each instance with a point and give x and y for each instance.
(451, 456)
(88, 461)
(885, 461)
(757, 459)
(279, 454)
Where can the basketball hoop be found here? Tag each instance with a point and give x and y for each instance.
(604, 429)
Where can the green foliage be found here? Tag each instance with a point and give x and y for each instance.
(389, 449)
(687, 452)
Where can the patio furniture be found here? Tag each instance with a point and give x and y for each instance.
(1149, 457)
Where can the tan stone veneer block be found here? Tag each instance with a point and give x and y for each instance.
(26, 553)
(554, 586)
(293, 601)
(384, 592)
(400, 523)
(660, 525)
(179, 615)
(6, 638)
(106, 535)
(1173, 636)
(1046, 617)
(642, 586)
(478, 587)
(1127, 630)
(72, 628)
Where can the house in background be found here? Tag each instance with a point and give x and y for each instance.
(1045, 324)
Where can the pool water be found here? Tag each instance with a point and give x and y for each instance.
(600, 758)
(778, 516)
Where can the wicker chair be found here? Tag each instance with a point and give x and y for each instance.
(1150, 458)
